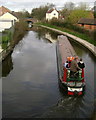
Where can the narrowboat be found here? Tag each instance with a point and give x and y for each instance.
(72, 85)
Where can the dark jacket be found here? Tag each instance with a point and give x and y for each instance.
(81, 64)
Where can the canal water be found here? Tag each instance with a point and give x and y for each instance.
(30, 86)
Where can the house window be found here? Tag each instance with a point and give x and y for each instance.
(54, 14)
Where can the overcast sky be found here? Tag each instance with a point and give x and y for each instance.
(17, 5)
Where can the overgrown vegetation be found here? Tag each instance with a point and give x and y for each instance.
(74, 30)
(68, 25)
(73, 13)
(20, 30)
(6, 37)
(21, 27)
(77, 14)
(94, 9)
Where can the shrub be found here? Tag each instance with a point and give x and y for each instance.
(65, 24)
(73, 29)
(19, 31)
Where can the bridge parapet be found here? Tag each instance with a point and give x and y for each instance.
(32, 20)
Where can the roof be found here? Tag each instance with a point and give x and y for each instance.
(87, 21)
(16, 14)
(50, 10)
(3, 10)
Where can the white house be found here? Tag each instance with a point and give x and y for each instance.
(7, 20)
(52, 13)
(6, 24)
(8, 16)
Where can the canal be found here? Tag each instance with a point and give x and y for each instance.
(30, 81)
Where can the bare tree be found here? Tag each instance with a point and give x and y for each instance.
(69, 5)
(83, 6)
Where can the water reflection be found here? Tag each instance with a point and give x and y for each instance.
(7, 66)
(48, 36)
(43, 33)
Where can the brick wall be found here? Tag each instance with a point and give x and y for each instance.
(91, 27)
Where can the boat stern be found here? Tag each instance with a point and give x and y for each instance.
(75, 91)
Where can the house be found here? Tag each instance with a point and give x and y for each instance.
(87, 23)
(52, 13)
(6, 24)
(6, 14)
(7, 18)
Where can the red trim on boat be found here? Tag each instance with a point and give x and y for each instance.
(82, 75)
(70, 93)
(65, 75)
(80, 93)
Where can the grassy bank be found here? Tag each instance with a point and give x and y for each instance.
(87, 37)
(6, 37)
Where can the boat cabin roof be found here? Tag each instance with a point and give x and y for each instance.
(65, 48)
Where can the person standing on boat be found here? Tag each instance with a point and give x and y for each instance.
(81, 64)
(74, 68)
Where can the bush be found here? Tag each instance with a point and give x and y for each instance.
(7, 36)
(70, 26)
(19, 31)
(56, 22)
(93, 36)
(72, 29)
(60, 23)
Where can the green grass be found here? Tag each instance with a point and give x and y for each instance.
(4, 45)
(6, 37)
(75, 33)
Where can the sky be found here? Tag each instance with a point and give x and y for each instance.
(18, 5)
